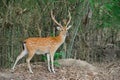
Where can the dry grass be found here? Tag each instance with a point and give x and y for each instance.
(70, 70)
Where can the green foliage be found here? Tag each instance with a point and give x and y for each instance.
(56, 63)
(57, 56)
(106, 12)
(92, 3)
(113, 9)
(43, 57)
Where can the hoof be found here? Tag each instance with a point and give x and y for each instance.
(49, 70)
(12, 70)
(53, 71)
(31, 72)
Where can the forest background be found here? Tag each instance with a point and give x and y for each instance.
(94, 36)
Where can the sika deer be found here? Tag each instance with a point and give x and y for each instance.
(47, 45)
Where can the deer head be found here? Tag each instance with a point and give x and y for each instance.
(63, 29)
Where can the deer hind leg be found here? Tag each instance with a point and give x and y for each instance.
(23, 53)
(48, 59)
(31, 54)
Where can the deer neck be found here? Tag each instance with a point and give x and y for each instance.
(62, 37)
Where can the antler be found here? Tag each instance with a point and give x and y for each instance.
(69, 18)
(53, 18)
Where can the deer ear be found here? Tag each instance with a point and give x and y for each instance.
(58, 28)
(69, 27)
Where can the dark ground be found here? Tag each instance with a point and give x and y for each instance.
(70, 69)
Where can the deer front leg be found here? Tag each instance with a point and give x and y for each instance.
(48, 59)
(52, 63)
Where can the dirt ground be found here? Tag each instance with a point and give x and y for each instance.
(70, 69)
